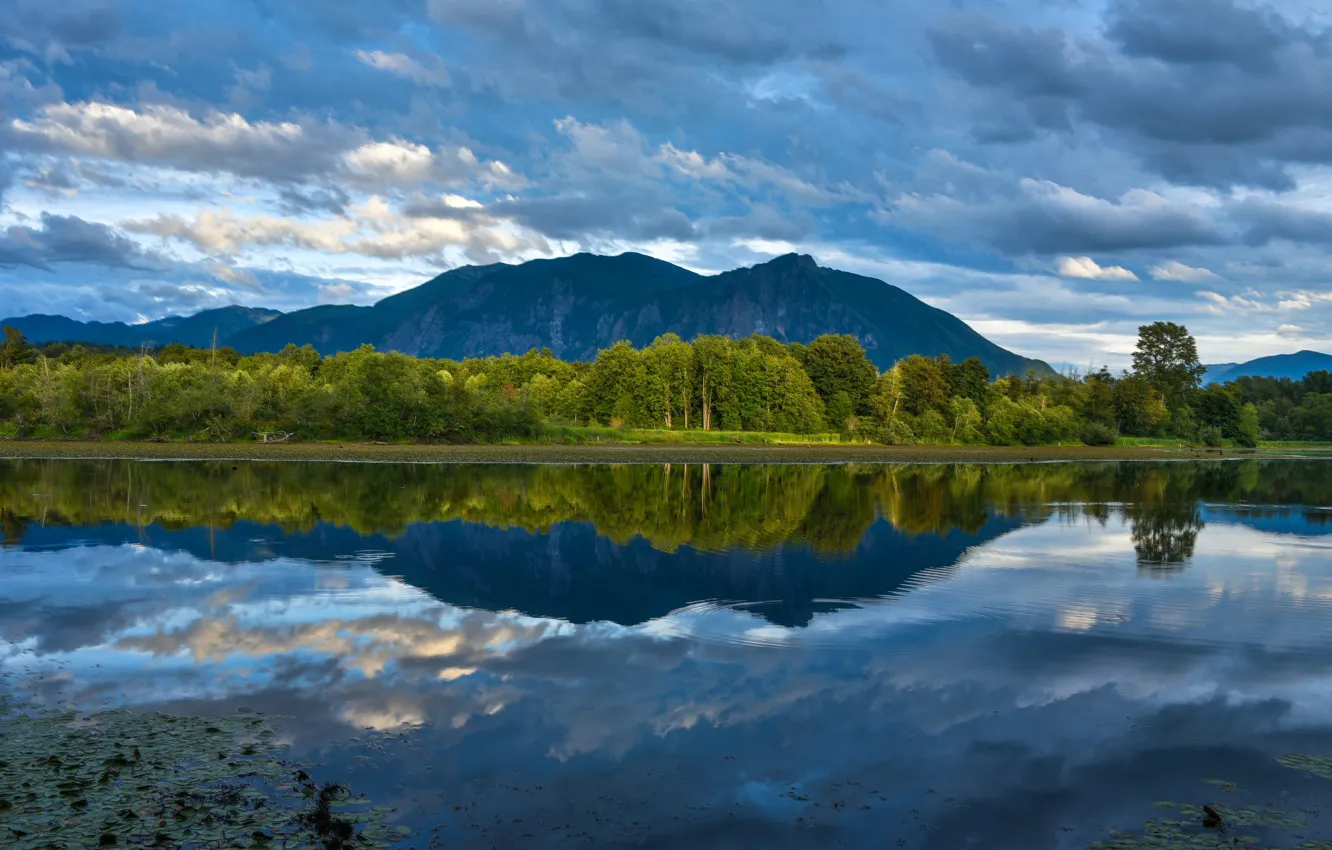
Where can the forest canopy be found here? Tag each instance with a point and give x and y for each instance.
(712, 383)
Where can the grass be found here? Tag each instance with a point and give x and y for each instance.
(1174, 443)
(1154, 442)
(1294, 444)
(591, 435)
(605, 452)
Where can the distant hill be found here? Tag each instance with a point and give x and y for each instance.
(1294, 366)
(577, 305)
(196, 330)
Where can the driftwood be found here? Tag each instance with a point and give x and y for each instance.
(274, 436)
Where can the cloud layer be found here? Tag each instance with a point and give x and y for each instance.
(1119, 156)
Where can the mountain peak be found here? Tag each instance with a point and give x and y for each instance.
(803, 262)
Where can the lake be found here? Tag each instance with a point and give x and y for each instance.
(933, 656)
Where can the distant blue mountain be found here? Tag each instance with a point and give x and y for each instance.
(197, 330)
(1294, 366)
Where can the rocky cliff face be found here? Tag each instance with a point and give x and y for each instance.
(582, 304)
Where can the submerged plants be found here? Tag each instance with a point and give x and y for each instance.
(1226, 827)
(118, 779)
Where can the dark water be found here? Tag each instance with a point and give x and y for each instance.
(536, 656)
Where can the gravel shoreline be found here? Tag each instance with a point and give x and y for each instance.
(616, 453)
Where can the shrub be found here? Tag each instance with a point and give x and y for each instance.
(1210, 435)
(1097, 434)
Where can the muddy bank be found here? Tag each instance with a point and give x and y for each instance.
(617, 453)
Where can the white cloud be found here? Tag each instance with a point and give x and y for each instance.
(1042, 217)
(1302, 299)
(168, 135)
(371, 229)
(616, 148)
(395, 161)
(693, 164)
(232, 274)
(754, 175)
(1248, 302)
(405, 66)
(1289, 330)
(1087, 268)
(336, 293)
(1174, 270)
(285, 151)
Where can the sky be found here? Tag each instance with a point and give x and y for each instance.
(1054, 172)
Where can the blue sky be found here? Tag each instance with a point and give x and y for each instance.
(1054, 172)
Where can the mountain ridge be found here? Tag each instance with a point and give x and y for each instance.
(1294, 366)
(195, 330)
(579, 304)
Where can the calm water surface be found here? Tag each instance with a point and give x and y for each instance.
(708, 656)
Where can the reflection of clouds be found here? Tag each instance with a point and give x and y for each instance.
(1047, 616)
(366, 644)
(384, 717)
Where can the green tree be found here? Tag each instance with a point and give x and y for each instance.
(670, 362)
(15, 349)
(1220, 407)
(618, 372)
(924, 385)
(840, 408)
(574, 403)
(964, 420)
(1248, 430)
(541, 393)
(837, 363)
(969, 379)
(1167, 358)
(1138, 408)
(1097, 401)
(712, 377)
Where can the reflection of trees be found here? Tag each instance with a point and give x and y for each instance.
(707, 507)
(1164, 534)
(12, 527)
(1161, 503)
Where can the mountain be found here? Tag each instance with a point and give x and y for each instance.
(196, 330)
(1294, 366)
(577, 305)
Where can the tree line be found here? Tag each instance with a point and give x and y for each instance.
(713, 383)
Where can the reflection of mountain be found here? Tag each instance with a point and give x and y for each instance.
(1272, 519)
(571, 572)
(627, 542)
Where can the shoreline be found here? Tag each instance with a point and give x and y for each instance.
(619, 453)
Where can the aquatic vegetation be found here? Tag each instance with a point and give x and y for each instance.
(1317, 765)
(116, 779)
(1219, 826)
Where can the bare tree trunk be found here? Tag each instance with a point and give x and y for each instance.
(707, 405)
